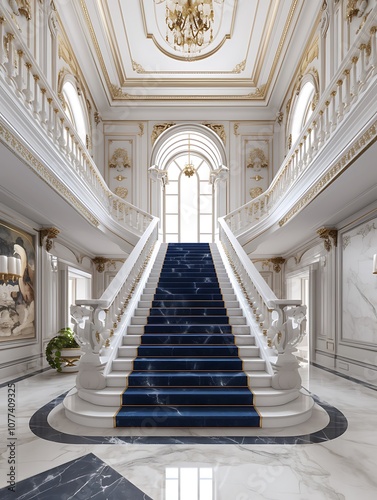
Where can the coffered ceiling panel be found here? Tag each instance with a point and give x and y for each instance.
(251, 39)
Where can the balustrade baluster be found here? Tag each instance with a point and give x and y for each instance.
(310, 147)
(373, 49)
(50, 122)
(354, 89)
(3, 54)
(67, 145)
(347, 92)
(327, 123)
(56, 128)
(333, 120)
(305, 152)
(363, 73)
(28, 92)
(340, 100)
(9, 65)
(42, 113)
(321, 134)
(35, 100)
(20, 76)
(61, 137)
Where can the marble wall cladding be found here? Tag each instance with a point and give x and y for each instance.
(359, 285)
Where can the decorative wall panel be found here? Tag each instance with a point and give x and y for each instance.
(359, 285)
(17, 280)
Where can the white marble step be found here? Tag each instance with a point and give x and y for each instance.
(262, 396)
(86, 413)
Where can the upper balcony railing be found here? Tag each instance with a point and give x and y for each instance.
(355, 75)
(26, 81)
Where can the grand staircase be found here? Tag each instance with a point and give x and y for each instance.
(188, 358)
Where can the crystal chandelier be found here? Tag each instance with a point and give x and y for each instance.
(189, 24)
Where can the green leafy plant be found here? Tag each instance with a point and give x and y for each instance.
(65, 339)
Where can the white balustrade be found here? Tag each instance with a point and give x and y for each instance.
(99, 322)
(353, 77)
(279, 324)
(46, 110)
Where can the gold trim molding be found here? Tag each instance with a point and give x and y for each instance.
(43, 173)
(353, 152)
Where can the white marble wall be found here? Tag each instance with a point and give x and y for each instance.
(359, 285)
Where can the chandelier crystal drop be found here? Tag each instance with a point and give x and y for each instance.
(189, 24)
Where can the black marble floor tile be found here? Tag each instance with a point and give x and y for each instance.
(82, 479)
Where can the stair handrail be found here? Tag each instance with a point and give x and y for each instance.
(279, 324)
(355, 74)
(99, 323)
(44, 108)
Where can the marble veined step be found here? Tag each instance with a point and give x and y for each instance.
(148, 304)
(131, 351)
(185, 319)
(95, 414)
(205, 378)
(184, 311)
(188, 363)
(189, 416)
(210, 329)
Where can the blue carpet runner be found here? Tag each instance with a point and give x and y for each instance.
(187, 372)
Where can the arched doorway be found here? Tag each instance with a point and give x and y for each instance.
(188, 161)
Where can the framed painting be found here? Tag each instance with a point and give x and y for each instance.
(17, 284)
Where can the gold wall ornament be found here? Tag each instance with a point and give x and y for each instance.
(235, 128)
(120, 160)
(279, 117)
(22, 7)
(326, 233)
(257, 159)
(158, 129)
(97, 118)
(277, 262)
(120, 178)
(218, 129)
(121, 191)
(100, 262)
(48, 233)
(255, 192)
(141, 128)
(257, 178)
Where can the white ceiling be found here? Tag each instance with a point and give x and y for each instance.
(122, 43)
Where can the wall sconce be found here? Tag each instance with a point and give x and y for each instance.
(375, 263)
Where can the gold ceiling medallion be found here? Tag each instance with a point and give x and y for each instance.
(189, 24)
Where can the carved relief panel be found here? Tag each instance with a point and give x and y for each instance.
(120, 161)
(257, 155)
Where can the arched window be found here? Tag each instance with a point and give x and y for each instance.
(74, 109)
(302, 109)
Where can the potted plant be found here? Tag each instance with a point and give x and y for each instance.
(63, 352)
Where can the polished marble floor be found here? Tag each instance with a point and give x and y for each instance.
(331, 457)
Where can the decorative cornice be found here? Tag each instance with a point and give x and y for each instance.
(43, 173)
(355, 149)
(326, 233)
